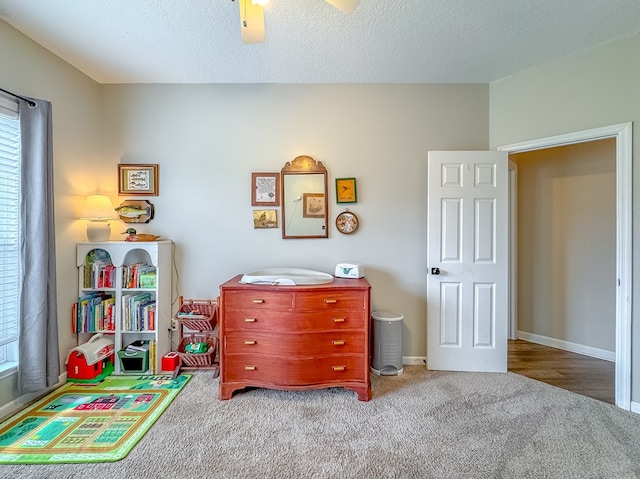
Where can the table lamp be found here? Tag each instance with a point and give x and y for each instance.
(98, 209)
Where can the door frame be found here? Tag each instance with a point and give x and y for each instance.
(513, 251)
(623, 133)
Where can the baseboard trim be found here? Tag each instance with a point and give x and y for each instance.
(635, 407)
(414, 360)
(568, 346)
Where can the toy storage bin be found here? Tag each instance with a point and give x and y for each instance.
(197, 314)
(134, 360)
(197, 359)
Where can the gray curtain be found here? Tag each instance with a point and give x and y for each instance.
(39, 362)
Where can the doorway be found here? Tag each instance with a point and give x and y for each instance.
(623, 228)
(566, 263)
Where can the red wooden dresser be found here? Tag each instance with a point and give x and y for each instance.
(295, 337)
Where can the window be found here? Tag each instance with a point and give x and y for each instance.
(9, 233)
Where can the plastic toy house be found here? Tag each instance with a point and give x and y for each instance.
(91, 361)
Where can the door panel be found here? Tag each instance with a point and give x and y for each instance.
(467, 297)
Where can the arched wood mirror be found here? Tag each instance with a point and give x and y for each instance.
(304, 199)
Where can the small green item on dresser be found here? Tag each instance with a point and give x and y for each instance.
(196, 348)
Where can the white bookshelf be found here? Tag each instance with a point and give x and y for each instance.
(126, 330)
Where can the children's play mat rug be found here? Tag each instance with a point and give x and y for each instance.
(88, 422)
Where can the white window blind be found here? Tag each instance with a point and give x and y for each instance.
(9, 227)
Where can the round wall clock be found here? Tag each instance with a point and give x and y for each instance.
(347, 222)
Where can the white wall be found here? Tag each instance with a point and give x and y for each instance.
(593, 89)
(28, 69)
(208, 139)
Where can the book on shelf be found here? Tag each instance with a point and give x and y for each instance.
(96, 260)
(137, 346)
(94, 311)
(134, 275)
(183, 315)
(152, 356)
(147, 279)
(137, 312)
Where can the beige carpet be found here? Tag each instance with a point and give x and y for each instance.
(419, 425)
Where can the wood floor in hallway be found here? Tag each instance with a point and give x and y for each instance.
(581, 374)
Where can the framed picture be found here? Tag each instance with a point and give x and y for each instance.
(138, 180)
(265, 219)
(312, 205)
(265, 189)
(346, 190)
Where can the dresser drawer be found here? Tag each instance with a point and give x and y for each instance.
(330, 300)
(282, 371)
(295, 345)
(258, 300)
(287, 322)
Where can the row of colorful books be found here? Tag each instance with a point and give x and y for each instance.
(139, 275)
(102, 275)
(93, 312)
(139, 312)
(95, 257)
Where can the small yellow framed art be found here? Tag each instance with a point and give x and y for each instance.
(346, 190)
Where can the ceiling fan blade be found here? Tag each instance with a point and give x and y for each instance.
(251, 22)
(346, 6)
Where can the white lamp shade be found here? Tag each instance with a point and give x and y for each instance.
(98, 208)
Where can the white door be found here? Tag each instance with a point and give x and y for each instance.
(467, 255)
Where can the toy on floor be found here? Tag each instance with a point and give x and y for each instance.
(92, 361)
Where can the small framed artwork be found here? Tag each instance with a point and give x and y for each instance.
(265, 189)
(312, 205)
(138, 180)
(265, 219)
(346, 190)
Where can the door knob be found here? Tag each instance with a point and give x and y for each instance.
(435, 271)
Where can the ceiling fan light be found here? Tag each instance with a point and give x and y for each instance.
(262, 3)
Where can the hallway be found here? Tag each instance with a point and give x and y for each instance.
(581, 374)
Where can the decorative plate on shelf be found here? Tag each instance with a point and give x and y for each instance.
(347, 222)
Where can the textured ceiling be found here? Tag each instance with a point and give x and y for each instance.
(309, 41)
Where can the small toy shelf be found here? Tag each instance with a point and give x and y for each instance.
(197, 328)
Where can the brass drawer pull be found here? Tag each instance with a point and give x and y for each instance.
(249, 320)
(250, 368)
(249, 342)
(257, 301)
(338, 320)
(330, 301)
(338, 342)
(338, 368)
